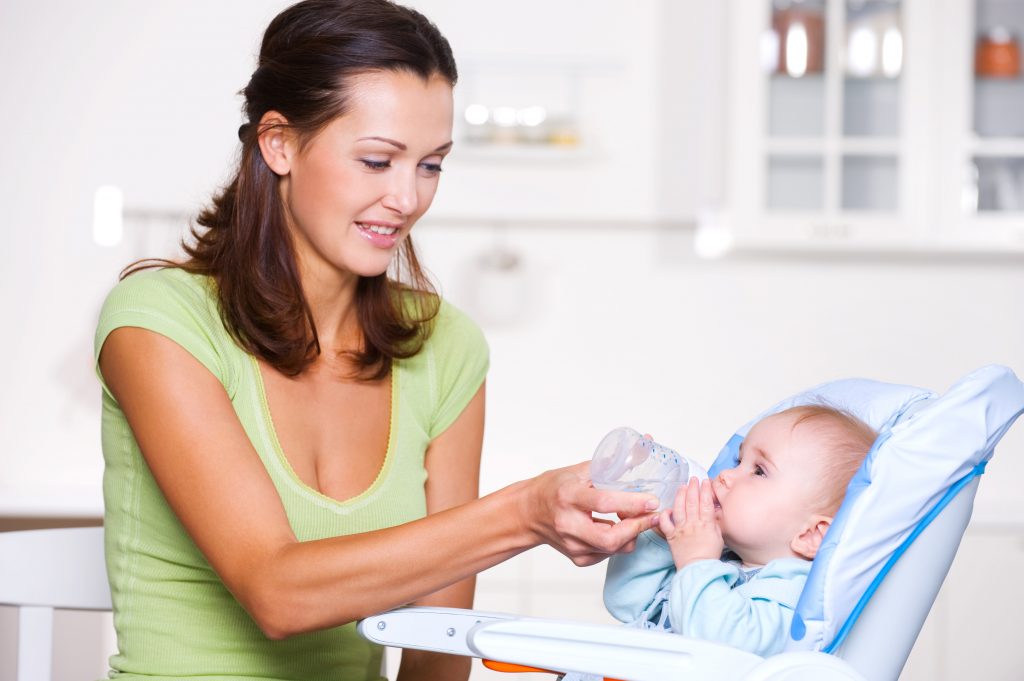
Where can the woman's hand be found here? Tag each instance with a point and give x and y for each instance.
(559, 510)
(690, 525)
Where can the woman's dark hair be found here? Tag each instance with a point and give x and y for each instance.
(309, 55)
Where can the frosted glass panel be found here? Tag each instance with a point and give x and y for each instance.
(1000, 184)
(999, 107)
(871, 107)
(796, 106)
(796, 183)
(793, 54)
(998, 85)
(873, 64)
(870, 183)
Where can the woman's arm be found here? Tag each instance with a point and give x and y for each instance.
(453, 479)
(214, 481)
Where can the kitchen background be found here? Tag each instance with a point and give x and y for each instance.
(665, 214)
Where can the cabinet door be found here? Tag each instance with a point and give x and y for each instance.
(830, 119)
(983, 79)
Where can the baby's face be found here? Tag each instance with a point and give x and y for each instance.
(767, 499)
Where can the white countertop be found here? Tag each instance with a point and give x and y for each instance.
(68, 501)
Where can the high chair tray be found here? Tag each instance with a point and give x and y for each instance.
(607, 650)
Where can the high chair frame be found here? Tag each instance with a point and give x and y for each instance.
(868, 592)
(875, 649)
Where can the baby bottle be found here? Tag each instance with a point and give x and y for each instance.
(626, 460)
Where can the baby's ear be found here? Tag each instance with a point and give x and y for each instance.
(808, 541)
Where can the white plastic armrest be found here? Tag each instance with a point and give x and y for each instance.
(804, 666)
(439, 629)
(608, 650)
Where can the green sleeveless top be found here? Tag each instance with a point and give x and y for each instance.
(173, 615)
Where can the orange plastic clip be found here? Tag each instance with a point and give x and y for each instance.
(510, 668)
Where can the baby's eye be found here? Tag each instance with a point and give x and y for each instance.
(375, 165)
(758, 471)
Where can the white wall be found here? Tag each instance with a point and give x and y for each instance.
(134, 94)
(626, 327)
(142, 95)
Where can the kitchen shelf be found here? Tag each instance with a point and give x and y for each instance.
(849, 145)
(996, 146)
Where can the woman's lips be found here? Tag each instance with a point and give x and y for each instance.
(381, 235)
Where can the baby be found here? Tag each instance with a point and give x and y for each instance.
(769, 513)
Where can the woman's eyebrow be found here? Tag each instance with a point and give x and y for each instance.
(385, 140)
(444, 147)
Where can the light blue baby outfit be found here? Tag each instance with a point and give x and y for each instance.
(715, 600)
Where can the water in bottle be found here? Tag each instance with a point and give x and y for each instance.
(626, 460)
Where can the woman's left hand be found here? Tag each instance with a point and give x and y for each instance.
(560, 508)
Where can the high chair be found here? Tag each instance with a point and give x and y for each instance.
(871, 584)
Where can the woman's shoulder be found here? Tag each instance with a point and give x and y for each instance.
(451, 320)
(450, 367)
(156, 285)
(174, 303)
(454, 334)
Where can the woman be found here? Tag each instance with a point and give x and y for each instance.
(292, 437)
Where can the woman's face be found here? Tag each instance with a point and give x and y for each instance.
(356, 189)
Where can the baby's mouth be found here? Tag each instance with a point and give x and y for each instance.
(714, 498)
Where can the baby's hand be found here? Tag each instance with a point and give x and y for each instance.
(690, 526)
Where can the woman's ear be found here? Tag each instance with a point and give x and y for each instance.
(276, 142)
(808, 541)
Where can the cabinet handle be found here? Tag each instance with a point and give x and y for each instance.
(831, 230)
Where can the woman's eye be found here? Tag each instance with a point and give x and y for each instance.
(432, 168)
(375, 165)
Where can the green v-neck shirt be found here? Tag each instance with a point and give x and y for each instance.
(173, 615)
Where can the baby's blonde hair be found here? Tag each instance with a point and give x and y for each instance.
(846, 441)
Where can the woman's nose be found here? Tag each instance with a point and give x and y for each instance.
(402, 196)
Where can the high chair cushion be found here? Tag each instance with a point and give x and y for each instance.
(927, 445)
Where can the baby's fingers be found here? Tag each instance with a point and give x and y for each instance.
(707, 501)
(665, 524)
(679, 505)
(692, 502)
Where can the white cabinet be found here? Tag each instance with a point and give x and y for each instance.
(982, 163)
(860, 124)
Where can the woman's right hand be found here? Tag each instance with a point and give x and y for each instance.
(560, 507)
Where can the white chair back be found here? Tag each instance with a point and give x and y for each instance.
(882, 637)
(44, 570)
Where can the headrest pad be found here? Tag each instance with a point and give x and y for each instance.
(926, 444)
